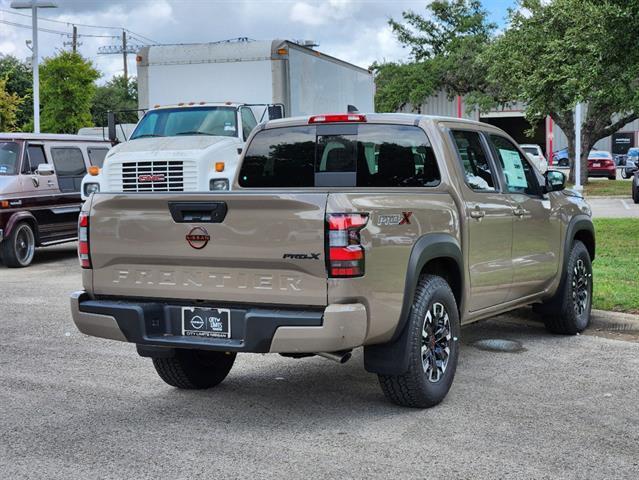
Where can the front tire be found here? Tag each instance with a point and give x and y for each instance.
(433, 333)
(194, 369)
(568, 313)
(18, 249)
(635, 193)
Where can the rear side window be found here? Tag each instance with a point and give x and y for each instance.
(474, 161)
(69, 167)
(97, 155)
(362, 155)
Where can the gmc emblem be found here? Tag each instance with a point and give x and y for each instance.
(156, 177)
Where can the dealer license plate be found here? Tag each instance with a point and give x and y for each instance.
(206, 322)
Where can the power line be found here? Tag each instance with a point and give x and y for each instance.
(40, 18)
(56, 32)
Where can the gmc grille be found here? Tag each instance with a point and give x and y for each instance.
(153, 176)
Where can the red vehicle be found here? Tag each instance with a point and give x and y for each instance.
(601, 164)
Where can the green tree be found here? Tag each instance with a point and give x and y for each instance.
(9, 106)
(19, 81)
(444, 47)
(67, 84)
(556, 54)
(115, 95)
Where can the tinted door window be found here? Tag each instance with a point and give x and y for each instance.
(69, 167)
(374, 156)
(35, 156)
(518, 173)
(248, 121)
(474, 161)
(96, 156)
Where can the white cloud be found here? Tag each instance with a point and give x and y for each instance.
(322, 13)
(353, 30)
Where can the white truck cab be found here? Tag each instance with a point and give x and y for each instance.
(185, 147)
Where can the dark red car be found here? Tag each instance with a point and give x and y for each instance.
(601, 164)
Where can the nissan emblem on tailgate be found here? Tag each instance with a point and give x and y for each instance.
(198, 238)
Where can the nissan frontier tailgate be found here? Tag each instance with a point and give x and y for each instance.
(258, 248)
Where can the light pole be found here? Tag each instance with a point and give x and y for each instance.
(34, 5)
(578, 185)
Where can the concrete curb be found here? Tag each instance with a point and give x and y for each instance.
(614, 320)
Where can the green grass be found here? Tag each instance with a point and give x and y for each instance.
(605, 187)
(616, 265)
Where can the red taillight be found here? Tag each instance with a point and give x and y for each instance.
(337, 118)
(84, 252)
(345, 252)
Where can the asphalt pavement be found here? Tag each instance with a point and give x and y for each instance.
(72, 406)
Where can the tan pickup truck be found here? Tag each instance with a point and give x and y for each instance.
(384, 231)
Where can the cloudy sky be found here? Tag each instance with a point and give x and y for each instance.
(354, 30)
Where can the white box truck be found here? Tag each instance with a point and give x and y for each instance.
(203, 100)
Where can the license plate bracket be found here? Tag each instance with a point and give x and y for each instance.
(207, 322)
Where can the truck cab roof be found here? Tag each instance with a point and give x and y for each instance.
(397, 118)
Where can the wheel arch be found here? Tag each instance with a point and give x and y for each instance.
(580, 228)
(18, 217)
(434, 253)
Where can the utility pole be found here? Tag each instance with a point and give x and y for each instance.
(74, 41)
(126, 70)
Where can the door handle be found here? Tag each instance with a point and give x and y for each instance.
(477, 213)
(519, 212)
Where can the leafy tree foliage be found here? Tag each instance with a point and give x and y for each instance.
(9, 106)
(67, 84)
(19, 81)
(555, 54)
(444, 47)
(115, 95)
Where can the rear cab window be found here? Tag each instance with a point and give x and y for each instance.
(340, 155)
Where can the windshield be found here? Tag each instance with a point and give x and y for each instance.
(171, 122)
(633, 152)
(9, 154)
(599, 155)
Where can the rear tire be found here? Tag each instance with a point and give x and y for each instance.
(194, 369)
(433, 347)
(612, 178)
(623, 173)
(18, 249)
(635, 193)
(568, 312)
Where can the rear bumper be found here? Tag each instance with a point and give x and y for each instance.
(254, 329)
(602, 172)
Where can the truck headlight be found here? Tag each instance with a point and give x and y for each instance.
(90, 188)
(219, 184)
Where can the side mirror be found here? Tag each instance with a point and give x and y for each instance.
(113, 135)
(555, 180)
(45, 169)
(275, 111)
